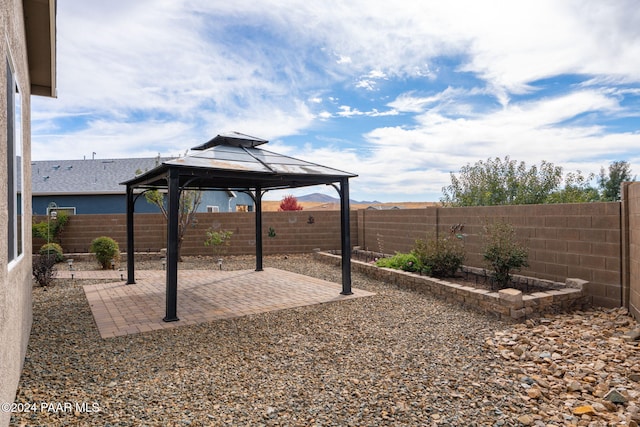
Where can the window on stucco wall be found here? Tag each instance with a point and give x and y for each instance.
(14, 167)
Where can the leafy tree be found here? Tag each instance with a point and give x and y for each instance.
(289, 203)
(501, 182)
(609, 184)
(187, 208)
(576, 190)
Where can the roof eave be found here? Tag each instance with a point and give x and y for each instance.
(147, 176)
(40, 27)
(77, 193)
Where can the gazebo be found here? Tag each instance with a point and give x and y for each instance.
(232, 161)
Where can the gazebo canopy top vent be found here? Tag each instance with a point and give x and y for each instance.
(233, 138)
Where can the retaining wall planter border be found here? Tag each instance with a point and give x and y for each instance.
(507, 304)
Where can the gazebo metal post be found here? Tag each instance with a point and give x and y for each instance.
(258, 201)
(130, 245)
(346, 237)
(173, 206)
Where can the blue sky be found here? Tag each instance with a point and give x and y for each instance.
(401, 93)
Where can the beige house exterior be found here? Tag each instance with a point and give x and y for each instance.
(28, 53)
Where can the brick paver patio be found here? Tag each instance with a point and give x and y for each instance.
(203, 295)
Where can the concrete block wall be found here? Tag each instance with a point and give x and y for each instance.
(291, 232)
(581, 241)
(295, 232)
(632, 207)
(390, 231)
(150, 232)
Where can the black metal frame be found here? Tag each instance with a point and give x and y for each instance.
(176, 178)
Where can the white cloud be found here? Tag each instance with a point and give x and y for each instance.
(367, 84)
(527, 131)
(347, 111)
(408, 102)
(135, 78)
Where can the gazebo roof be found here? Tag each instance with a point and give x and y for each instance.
(233, 161)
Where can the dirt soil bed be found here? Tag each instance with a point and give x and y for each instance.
(486, 282)
(466, 278)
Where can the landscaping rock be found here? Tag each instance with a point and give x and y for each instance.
(615, 397)
(396, 358)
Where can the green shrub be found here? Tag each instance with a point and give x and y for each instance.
(50, 229)
(219, 240)
(441, 257)
(502, 252)
(400, 261)
(42, 230)
(106, 249)
(53, 251)
(44, 269)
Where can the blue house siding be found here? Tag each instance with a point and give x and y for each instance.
(117, 203)
(91, 204)
(224, 203)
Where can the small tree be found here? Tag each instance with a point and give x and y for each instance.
(502, 252)
(188, 206)
(289, 203)
(218, 240)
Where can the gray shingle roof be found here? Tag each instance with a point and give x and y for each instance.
(93, 176)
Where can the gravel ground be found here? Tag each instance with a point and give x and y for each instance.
(397, 358)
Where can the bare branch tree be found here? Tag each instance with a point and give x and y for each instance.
(187, 208)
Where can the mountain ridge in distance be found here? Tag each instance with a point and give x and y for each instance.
(324, 198)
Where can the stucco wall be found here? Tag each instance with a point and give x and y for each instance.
(15, 279)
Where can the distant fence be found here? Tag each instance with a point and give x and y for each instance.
(598, 242)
